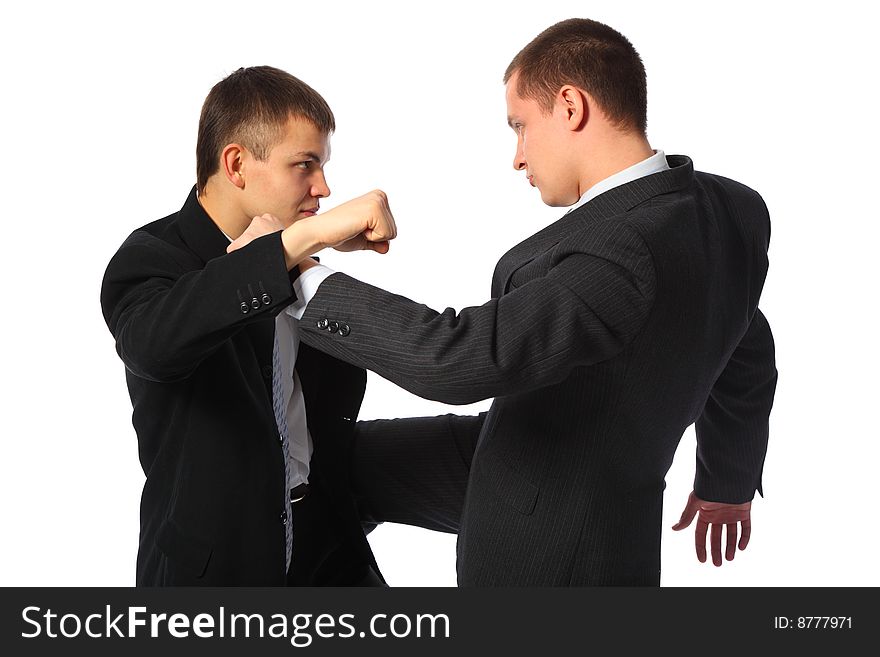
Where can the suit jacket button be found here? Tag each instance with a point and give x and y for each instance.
(267, 372)
(255, 303)
(284, 517)
(266, 299)
(245, 309)
(333, 327)
(323, 323)
(344, 329)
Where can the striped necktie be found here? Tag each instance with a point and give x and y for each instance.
(278, 404)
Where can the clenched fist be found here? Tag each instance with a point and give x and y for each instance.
(365, 222)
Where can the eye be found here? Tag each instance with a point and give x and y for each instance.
(307, 164)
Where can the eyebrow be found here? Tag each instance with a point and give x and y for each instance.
(309, 154)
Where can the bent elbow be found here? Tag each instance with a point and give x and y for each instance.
(150, 363)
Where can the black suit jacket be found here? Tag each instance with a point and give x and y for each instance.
(608, 333)
(195, 328)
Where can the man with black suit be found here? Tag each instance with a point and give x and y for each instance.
(609, 332)
(243, 433)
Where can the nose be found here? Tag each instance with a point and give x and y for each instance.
(519, 158)
(320, 189)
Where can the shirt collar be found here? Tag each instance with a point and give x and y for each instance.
(653, 164)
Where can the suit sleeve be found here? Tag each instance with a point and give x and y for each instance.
(166, 320)
(733, 429)
(414, 470)
(590, 304)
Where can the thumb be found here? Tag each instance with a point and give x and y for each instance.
(379, 247)
(687, 516)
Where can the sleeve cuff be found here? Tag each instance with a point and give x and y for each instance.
(305, 287)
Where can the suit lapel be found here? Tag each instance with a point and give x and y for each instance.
(615, 201)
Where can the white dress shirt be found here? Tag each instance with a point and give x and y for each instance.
(299, 443)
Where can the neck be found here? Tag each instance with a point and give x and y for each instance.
(223, 210)
(612, 152)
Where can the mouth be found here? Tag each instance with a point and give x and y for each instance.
(532, 181)
(310, 212)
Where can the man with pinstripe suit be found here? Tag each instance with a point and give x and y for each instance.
(608, 333)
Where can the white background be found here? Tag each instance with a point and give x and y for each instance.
(99, 115)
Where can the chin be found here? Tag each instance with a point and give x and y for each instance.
(559, 200)
(552, 201)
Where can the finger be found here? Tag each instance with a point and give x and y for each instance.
(715, 539)
(700, 539)
(372, 235)
(383, 234)
(731, 541)
(746, 534)
(392, 225)
(687, 516)
(380, 247)
(357, 243)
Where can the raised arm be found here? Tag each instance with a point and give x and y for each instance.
(590, 303)
(168, 315)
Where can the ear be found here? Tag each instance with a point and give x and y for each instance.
(232, 164)
(574, 106)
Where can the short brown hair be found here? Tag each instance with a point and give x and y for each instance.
(251, 107)
(588, 55)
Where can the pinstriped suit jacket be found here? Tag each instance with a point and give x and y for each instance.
(608, 334)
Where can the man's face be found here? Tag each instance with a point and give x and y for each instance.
(542, 148)
(290, 182)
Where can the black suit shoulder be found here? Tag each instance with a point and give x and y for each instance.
(158, 242)
(744, 203)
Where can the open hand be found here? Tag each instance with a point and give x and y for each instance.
(717, 515)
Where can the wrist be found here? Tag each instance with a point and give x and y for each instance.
(299, 241)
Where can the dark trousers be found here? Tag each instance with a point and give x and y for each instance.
(322, 554)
